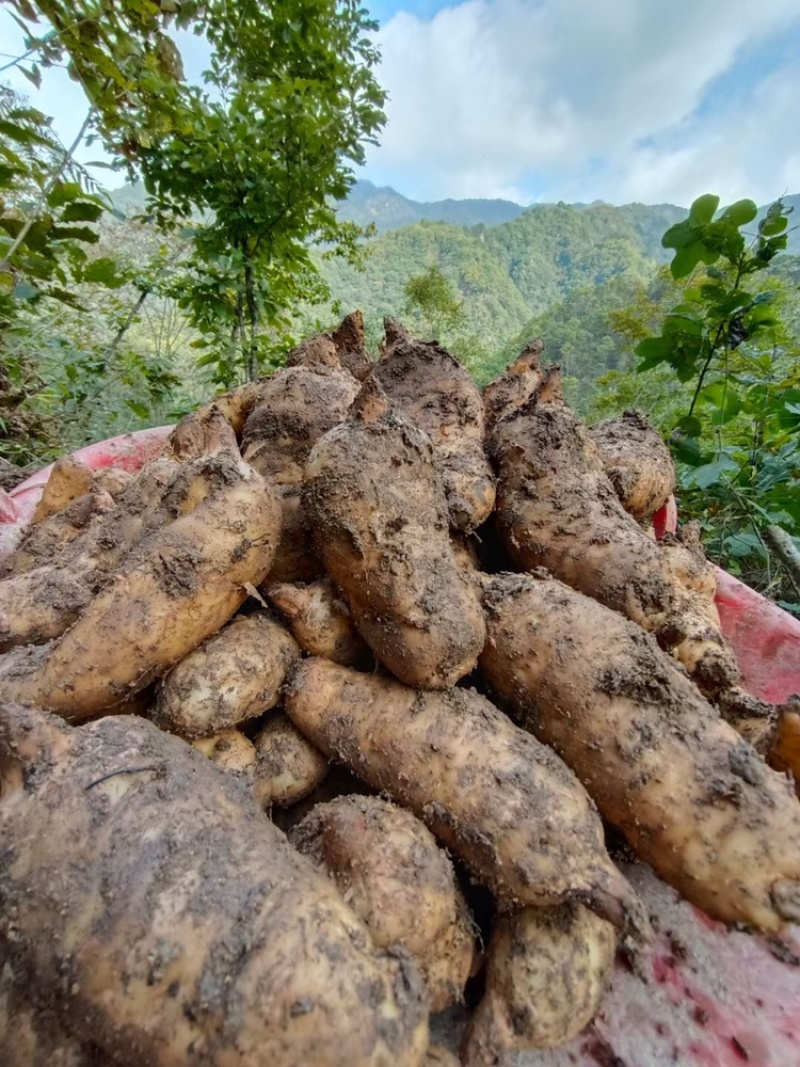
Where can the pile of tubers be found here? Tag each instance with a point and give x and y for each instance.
(430, 643)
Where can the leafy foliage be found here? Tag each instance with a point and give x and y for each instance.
(737, 438)
(431, 299)
(263, 160)
(47, 216)
(122, 55)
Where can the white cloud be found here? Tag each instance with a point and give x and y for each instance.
(558, 96)
(749, 151)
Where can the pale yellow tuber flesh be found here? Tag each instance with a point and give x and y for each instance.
(319, 619)
(162, 917)
(390, 870)
(556, 508)
(230, 750)
(375, 501)
(695, 800)
(234, 675)
(178, 586)
(500, 801)
(432, 390)
(637, 461)
(784, 750)
(546, 972)
(288, 767)
(68, 480)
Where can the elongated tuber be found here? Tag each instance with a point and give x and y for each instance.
(166, 920)
(695, 800)
(375, 501)
(431, 389)
(178, 586)
(502, 802)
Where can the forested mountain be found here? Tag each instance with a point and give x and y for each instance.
(509, 273)
(555, 270)
(381, 206)
(388, 209)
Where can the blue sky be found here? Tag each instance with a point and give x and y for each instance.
(570, 100)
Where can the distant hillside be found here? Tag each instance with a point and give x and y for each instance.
(506, 274)
(383, 206)
(388, 209)
(509, 265)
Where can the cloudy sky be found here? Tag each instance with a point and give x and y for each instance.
(576, 100)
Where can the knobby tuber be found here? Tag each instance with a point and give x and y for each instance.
(177, 587)
(295, 408)
(375, 502)
(499, 800)
(432, 390)
(69, 479)
(514, 387)
(637, 462)
(390, 870)
(695, 800)
(288, 767)
(546, 972)
(236, 674)
(347, 342)
(166, 920)
(230, 750)
(556, 508)
(319, 619)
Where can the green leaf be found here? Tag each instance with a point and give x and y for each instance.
(686, 259)
(679, 235)
(34, 75)
(653, 351)
(702, 210)
(686, 449)
(103, 271)
(76, 233)
(63, 192)
(740, 213)
(740, 545)
(683, 324)
(771, 227)
(709, 473)
(690, 425)
(82, 211)
(138, 408)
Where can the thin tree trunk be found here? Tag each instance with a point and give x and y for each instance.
(252, 311)
(239, 330)
(137, 307)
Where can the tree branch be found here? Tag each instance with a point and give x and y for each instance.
(784, 548)
(47, 190)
